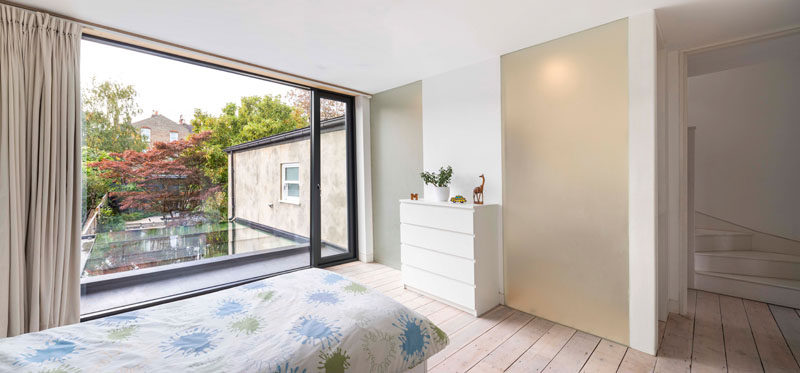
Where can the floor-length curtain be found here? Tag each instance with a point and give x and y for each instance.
(40, 169)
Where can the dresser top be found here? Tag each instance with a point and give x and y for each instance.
(468, 206)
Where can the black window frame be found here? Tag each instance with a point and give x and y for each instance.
(107, 282)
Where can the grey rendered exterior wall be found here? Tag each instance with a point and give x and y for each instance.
(256, 186)
(396, 146)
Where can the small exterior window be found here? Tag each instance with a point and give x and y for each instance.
(145, 132)
(290, 181)
(173, 136)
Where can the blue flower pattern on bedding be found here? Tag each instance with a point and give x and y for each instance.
(300, 322)
(229, 307)
(193, 342)
(54, 350)
(323, 298)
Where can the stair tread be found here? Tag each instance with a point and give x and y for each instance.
(753, 254)
(718, 232)
(780, 282)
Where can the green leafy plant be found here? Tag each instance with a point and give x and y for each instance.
(441, 179)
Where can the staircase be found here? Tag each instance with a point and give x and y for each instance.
(726, 262)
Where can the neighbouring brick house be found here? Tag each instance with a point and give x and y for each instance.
(159, 128)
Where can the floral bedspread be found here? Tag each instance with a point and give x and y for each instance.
(306, 321)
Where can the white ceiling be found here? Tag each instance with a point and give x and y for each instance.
(701, 23)
(373, 45)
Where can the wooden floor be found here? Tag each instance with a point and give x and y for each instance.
(719, 334)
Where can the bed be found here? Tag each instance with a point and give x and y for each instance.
(306, 321)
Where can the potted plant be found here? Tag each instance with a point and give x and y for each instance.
(437, 185)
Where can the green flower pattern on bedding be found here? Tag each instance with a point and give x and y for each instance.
(306, 321)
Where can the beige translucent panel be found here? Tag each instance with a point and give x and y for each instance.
(565, 211)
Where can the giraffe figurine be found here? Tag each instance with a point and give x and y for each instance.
(477, 193)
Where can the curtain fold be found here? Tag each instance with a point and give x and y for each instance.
(40, 190)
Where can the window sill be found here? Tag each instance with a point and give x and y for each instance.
(290, 202)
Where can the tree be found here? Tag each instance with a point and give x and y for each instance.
(329, 109)
(254, 118)
(108, 109)
(167, 177)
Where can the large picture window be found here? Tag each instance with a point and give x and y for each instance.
(229, 189)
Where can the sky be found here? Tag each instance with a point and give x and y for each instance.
(172, 88)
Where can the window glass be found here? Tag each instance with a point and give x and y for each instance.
(291, 183)
(293, 190)
(156, 197)
(292, 173)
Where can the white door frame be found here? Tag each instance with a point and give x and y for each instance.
(682, 272)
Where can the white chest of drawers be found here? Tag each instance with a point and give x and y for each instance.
(452, 253)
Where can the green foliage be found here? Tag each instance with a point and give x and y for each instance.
(138, 215)
(96, 185)
(215, 207)
(254, 118)
(109, 220)
(441, 179)
(108, 109)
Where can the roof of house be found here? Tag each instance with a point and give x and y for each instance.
(333, 124)
(160, 121)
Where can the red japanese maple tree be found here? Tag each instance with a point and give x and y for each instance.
(167, 177)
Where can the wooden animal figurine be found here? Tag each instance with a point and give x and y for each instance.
(477, 193)
(414, 196)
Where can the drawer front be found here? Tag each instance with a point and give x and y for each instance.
(458, 244)
(449, 218)
(442, 287)
(442, 264)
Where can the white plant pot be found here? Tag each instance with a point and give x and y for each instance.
(437, 194)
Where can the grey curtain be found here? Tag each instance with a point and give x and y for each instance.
(40, 190)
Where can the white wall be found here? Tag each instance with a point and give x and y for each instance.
(396, 157)
(747, 153)
(642, 189)
(461, 127)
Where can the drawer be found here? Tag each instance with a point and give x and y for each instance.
(448, 242)
(450, 290)
(441, 217)
(442, 264)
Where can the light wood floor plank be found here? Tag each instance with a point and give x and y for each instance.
(708, 347)
(389, 278)
(606, 358)
(716, 333)
(675, 352)
(472, 353)
(507, 353)
(443, 315)
(740, 348)
(418, 302)
(431, 308)
(470, 332)
(636, 361)
(772, 348)
(545, 349)
(574, 355)
(456, 323)
(789, 322)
